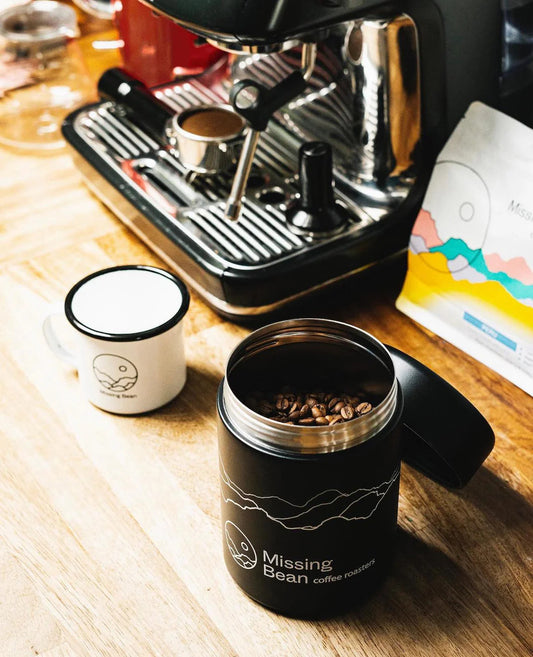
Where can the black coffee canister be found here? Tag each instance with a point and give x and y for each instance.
(309, 513)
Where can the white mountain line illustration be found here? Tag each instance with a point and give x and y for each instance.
(329, 499)
(238, 490)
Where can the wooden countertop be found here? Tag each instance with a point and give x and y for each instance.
(109, 526)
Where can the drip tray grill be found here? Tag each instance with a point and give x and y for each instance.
(194, 205)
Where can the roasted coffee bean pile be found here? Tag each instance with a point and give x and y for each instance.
(308, 408)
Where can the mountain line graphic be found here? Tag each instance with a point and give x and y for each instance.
(124, 383)
(327, 505)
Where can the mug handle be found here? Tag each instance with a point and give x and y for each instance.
(52, 339)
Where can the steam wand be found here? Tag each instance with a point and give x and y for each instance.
(257, 104)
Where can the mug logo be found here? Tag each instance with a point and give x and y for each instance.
(240, 547)
(115, 372)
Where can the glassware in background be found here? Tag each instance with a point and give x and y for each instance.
(98, 8)
(43, 76)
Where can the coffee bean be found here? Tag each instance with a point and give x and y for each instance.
(319, 410)
(304, 410)
(332, 403)
(347, 412)
(282, 404)
(363, 408)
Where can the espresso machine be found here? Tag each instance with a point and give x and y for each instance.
(343, 106)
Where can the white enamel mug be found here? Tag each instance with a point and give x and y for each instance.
(129, 348)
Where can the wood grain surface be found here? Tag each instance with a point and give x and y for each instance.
(110, 544)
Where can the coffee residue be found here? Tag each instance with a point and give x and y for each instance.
(213, 122)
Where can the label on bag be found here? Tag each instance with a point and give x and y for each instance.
(470, 260)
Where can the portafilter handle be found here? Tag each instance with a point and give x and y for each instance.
(117, 85)
(257, 104)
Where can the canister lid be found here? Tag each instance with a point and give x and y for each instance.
(446, 437)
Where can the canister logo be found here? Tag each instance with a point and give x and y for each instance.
(240, 547)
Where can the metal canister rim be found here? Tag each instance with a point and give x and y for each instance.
(259, 431)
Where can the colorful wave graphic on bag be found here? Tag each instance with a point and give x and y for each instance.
(465, 263)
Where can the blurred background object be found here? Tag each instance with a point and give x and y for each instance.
(102, 9)
(42, 73)
(517, 59)
(153, 48)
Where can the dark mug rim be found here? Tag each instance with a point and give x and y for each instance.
(136, 335)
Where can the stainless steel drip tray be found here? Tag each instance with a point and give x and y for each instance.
(247, 267)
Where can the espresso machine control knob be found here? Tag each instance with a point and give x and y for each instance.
(316, 211)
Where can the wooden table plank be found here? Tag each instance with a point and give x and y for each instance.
(110, 544)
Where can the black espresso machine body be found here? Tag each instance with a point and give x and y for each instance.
(386, 84)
